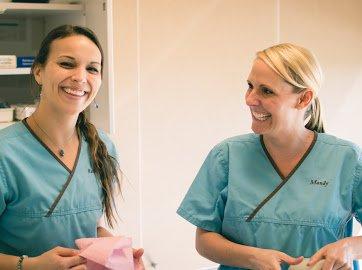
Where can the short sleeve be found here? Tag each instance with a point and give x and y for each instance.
(111, 148)
(205, 200)
(357, 190)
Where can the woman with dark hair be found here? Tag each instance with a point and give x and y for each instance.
(57, 171)
(267, 199)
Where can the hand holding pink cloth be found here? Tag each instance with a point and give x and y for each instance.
(107, 253)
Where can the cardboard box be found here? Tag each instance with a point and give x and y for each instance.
(6, 114)
(7, 61)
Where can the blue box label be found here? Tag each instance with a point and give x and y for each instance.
(24, 61)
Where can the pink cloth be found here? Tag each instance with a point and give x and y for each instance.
(107, 253)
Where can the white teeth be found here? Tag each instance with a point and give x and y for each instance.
(78, 93)
(261, 116)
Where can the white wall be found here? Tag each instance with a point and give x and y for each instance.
(333, 31)
(180, 74)
(127, 106)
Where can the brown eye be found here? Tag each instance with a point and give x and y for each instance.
(93, 70)
(66, 64)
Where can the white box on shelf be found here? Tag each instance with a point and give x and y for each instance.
(7, 61)
(23, 110)
(6, 114)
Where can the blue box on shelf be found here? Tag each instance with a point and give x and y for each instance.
(24, 61)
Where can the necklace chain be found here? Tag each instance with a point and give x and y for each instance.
(61, 149)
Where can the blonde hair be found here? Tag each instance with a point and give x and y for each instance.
(298, 66)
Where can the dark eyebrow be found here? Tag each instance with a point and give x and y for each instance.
(72, 58)
(96, 63)
(66, 56)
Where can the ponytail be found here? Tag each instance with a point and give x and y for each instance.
(315, 122)
(105, 167)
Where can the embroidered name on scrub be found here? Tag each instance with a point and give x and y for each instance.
(319, 182)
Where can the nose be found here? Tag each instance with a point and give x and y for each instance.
(251, 98)
(79, 75)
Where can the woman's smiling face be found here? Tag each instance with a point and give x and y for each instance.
(272, 102)
(71, 76)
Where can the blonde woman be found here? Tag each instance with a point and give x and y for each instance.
(266, 200)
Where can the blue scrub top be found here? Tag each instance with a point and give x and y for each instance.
(31, 178)
(314, 206)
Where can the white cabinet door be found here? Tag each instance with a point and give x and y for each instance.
(98, 15)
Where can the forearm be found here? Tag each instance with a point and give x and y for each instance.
(9, 262)
(102, 232)
(217, 248)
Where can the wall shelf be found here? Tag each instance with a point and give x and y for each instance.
(24, 25)
(34, 9)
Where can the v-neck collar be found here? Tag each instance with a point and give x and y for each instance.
(71, 171)
(290, 174)
(284, 179)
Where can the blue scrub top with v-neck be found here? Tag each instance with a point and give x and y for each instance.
(31, 178)
(307, 210)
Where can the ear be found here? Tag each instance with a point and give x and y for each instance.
(38, 74)
(305, 99)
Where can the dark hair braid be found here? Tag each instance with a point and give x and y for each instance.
(104, 165)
